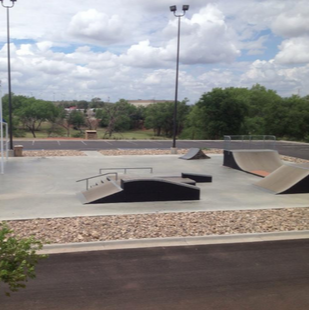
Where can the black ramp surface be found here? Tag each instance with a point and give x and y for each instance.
(199, 178)
(141, 190)
(194, 153)
(248, 276)
(300, 187)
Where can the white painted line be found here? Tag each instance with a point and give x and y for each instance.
(84, 142)
(157, 142)
(177, 241)
(58, 142)
(132, 142)
(33, 142)
(108, 142)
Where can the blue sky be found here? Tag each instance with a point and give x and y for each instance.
(127, 49)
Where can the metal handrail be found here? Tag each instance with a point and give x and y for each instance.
(125, 169)
(97, 176)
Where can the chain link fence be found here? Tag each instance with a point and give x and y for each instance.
(249, 142)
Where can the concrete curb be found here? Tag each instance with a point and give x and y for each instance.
(293, 142)
(167, 242)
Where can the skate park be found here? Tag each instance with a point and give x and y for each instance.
(46, 187)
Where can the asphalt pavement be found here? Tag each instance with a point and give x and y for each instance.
(264, 275)
(295, 149)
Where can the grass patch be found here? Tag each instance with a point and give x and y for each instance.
(43, 133)
(135, 135)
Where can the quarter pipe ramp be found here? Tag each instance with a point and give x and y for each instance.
(287, 180)
(257, 162)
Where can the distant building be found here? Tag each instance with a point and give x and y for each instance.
(70, 109)
(145, 103)
(88, 112)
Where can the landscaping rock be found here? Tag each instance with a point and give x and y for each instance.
(163, 225)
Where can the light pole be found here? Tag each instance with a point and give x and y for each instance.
(173, 9)
(9, 70)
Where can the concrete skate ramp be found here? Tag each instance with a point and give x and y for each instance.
(140, 190)
(194, 153)
(287, 180)
(100, 191)
(257, 162)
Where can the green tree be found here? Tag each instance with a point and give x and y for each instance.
(117, 117)
(194, 125)
(289, 119)
(160, 116)
(260, 102)
(137, 117)
(61, 119)
(33, 112)
(76, 119)
(183, 110)
(221, 113)
(255, 111)
(102, 116)
(17, 259)
(17, 102)
(82, 104)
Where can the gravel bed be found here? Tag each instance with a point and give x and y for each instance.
(153, 152)
(294, 159)
(124, 227)
(52, 153)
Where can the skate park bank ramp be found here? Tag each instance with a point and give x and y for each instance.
(287, 180)
(140, 190)
(194, 153)
(257, 162)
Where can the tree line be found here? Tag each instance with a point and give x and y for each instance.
(228, 111)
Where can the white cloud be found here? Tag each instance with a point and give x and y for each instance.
(128, 50)
(144, 55)
(292, 23)
(293, 51)
(95, 26)
(280, 78)
(205, 38)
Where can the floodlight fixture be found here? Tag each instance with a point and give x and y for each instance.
(173, 8)
(7, 6)
(185, 7)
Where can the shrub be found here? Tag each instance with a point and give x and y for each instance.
(18, 133)
(17, 259)
(78, 135)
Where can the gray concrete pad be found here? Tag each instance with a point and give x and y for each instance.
(46, 187)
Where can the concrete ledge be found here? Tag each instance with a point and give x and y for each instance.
(166, 242)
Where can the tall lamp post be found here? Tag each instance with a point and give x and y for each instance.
(173, 9)
(9, 70)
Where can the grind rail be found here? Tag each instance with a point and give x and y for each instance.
(125, 169)
(97, 176)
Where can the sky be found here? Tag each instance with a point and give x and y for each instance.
(79, 50)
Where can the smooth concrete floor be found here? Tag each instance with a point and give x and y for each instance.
(46, 187)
